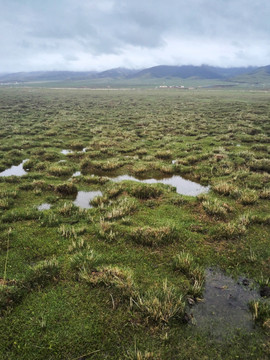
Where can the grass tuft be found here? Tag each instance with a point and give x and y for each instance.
(162, 305)
(150, 236)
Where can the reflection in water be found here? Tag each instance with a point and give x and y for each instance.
(44, 206)
(15, 170)
(183, 186)
(84, 197)
(225, 305)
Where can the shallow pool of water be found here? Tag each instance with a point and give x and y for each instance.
(15, 170)
(183, 186)
(44, 206)
(224, 307)
(84, 197)
(65, 152)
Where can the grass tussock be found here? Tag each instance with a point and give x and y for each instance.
(68, 231)
(186, 264)
(260, 219)
(122, 208)
(260, 313)
(231, 230)
(100, 201)
(67, 209)
(66, 189)
(20, 215)
(6, 194)
(216, 208)
(145, 191)
(38, 276)
(56, 170)
(265, 194)
(95, 180)
(110, 276)
(260, 165)
(136, 354)
(84, 259)
(162, 305)
(226, 189)
(7, 199)
(43, 273)
(164, 155)
(106, 230)
(150, 236)
(11, 293)
(78, 244)
(248, 197)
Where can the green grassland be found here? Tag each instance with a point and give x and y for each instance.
(137, 83)
(114, 281)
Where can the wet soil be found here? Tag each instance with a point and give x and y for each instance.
(224, 307)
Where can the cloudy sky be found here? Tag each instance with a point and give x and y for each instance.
(103, 34)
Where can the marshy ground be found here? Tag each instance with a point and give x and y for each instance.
(127, 276)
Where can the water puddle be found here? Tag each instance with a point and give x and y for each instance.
(84, 197)
(44, 206)
(183, 186)
(65, 152)
(224, 308)
(15, 170)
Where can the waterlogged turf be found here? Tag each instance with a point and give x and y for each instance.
(102, 257)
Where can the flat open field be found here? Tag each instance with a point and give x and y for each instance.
(135, 224)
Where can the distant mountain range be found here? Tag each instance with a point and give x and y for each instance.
(189, 71)
(234, 74)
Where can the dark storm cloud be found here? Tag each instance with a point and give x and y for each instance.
(89, 34)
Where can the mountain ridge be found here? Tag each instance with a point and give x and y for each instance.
(204, 72)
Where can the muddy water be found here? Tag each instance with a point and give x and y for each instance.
(224, 307)
(84, 197)
(183, 186)
(15, 170)
(44, 206)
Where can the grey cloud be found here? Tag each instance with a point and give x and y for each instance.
(87, 32)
